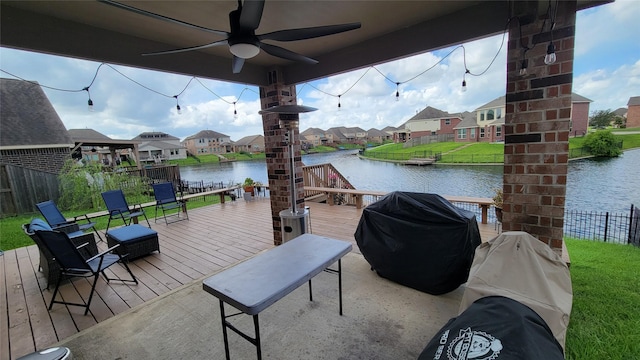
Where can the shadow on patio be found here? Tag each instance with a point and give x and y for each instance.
(382, 320)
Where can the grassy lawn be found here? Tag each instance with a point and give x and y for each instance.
(605, 319)
(474, 153)
(12, 236)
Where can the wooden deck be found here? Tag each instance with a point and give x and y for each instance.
(214, 237)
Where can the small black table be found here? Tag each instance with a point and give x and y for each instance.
(253, 285)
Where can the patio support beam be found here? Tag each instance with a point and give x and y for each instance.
(277, 150)
(538, 116)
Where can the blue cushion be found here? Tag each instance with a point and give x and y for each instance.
(131, 233)
(39, 224)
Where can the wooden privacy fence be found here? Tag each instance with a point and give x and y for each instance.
(22, 188)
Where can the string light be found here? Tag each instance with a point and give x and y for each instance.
(398, 83)
(550, 57)
(523, 67)
(464, 80)
(235, 113)
(177, 105)
(90, 102)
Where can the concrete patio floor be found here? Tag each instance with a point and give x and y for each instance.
(382, 320)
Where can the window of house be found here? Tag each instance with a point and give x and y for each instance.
(472, 135)
(498, 131)
(498, 113)
(462, 133)
(482, 116)
(447, 121)
(490, 115)
(481, 132)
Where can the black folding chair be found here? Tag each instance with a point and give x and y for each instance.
(73, 264)
(119, 208)
(57, 221)
(166, 200)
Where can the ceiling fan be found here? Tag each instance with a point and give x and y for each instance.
(242, 40)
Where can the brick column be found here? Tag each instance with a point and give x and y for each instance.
(277, 150)
(538, 114)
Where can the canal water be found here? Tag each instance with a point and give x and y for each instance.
(592, 184)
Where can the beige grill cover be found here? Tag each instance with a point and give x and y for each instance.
(519, 266)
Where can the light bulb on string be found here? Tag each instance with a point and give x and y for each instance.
(550, 58)
(177, 105)
(397, 91)
(89, 102)
(235, 112)
(464, 80)
(339, 105)
(523, 67)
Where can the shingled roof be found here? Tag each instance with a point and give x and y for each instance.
(206, 134)
(28, 119)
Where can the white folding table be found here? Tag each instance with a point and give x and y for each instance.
(253, 285)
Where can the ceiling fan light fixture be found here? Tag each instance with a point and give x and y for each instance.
(244, 50)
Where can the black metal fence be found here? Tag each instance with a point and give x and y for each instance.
(618, 228)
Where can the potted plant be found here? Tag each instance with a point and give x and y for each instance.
(497, 203)
(248, 185)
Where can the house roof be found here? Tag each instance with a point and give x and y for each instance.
(494, 103)
(468, 120)
(313, 131)
(575, 98)
(88, 134)
(430, 113)
(634, 101)
(375, 132)
(206, 134)
(90, 137)
(247, 140)
(27, 117)
(621, 111)
(157, 145)
(155, 136)
(390, 129)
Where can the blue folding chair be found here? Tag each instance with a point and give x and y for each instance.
(166, 200)
(119, 208)
(57, 221)
(73, 264)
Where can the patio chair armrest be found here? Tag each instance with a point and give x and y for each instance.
(82, 217)
(103, 253)
(67, 228)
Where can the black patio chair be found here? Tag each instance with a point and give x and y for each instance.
(166, 200)
(56, 220)
(73, 264)
(119, 208)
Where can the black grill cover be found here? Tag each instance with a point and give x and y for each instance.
(494, 327)
(419, 240)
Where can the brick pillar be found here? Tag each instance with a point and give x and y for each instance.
(277, 151)
(538, 114)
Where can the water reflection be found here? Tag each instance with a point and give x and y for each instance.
(592, 184)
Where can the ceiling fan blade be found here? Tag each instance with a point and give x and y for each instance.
(237, 64)
(216, 43)
(161, 17)
(308, 33)
(286, 54)
(251, 14)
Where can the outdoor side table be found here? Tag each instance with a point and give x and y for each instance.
(254, 285)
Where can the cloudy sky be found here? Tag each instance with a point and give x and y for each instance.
(130, 101)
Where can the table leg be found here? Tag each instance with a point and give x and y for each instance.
(340, 283)
(257, 339)
(310, 294)
(224, 331)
